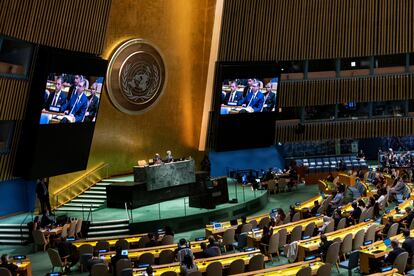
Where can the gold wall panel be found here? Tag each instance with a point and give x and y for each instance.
(344, 130)
(367, 89)
(315, 29)
(181, 30)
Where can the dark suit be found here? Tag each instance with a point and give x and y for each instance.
(78, 107)
(238, 97)
(356, 213)
(254, 101)
(393, 255)
(59, 102)
(323, 249)
(92, 108)
(72, 90)
(269, 102)
(43, 196)
(408, 246)
(246, 91)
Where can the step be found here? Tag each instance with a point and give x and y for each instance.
(94, 201)
(109, 226)
(104, 183)
(12, 225)
(23, 236)
(82, 196)
(17, 229)
(2, 241)
(110, 222)
(98, 188)
(109, 181)
(85, 206)
(90, 192)
(107, 232)
(74, 209)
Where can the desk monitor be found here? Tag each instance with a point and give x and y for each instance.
(70, 238)
(143, 265)
(248, 249)
(19, 257)
(256, 229)
(386, 268)
(102, 251)
(387, 242)
(308, 258)
(124, 252)
(368, 242)
(217, 226)
(367, 219)
(200, 239)
(306, 237)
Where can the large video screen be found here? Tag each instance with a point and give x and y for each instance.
(251, 95)
(65, 92)
(245, 105)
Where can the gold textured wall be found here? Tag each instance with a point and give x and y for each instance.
(182, 32)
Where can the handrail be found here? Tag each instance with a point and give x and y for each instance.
(103, 165)
(75, 183)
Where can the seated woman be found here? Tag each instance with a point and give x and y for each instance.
(280, 217)
(187, 265)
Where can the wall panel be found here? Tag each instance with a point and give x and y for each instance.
(344, 130)
(369, 89)
(315, 29)
(68, 24)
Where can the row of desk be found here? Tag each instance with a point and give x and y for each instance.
(202, 264)
(134, 254)
(376, 250)
(310, 246)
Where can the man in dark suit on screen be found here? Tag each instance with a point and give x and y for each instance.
(254, 100)
(234, 97)
(248, 88)
(57, 99)
(269, 99)
(76, 109)
(93, 102)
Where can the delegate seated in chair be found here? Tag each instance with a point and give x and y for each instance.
(69, 251)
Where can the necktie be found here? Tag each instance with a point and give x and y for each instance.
(55, 99)
(232, 97)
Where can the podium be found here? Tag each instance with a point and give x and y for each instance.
(208, 192)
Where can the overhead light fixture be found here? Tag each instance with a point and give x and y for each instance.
(353, 64)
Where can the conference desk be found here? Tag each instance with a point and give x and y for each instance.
(166, 175)
(134, 254)
(253, 238)
(210, 231)
(398, 216)
(347, 209)
(288, 269)
(24, 267)
(376, 250)
(131, 239)
(202, 264)
(306, 247)
(308, 204)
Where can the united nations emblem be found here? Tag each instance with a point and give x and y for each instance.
(135, 77)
